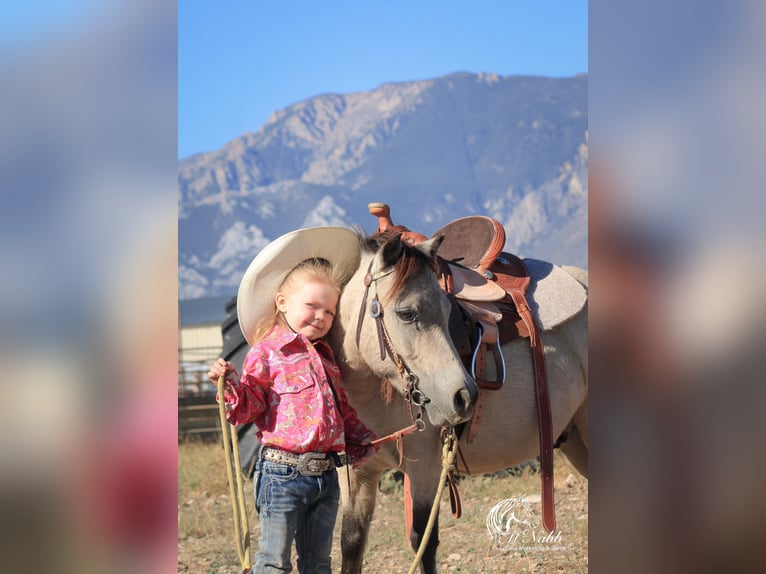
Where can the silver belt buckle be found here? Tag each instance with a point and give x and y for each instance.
(305, 459)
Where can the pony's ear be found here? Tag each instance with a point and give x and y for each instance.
(431, 246)
(391, 251)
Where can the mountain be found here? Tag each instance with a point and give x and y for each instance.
(514, 148)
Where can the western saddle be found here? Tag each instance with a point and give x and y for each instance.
(487, 287)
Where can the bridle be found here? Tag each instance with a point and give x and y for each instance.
(415, 398)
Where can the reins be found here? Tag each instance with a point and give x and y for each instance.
(238, 506)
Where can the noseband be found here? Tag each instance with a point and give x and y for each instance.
(412, 394)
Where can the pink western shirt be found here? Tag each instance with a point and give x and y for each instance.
(284, 390)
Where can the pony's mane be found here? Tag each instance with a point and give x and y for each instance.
(411, 262)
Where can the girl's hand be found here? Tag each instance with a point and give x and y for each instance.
(222, 368)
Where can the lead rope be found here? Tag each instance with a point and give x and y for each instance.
(238, 507)
(449, 449)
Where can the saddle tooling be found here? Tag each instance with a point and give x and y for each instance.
(487, 288)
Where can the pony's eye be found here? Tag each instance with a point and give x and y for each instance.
(406, 315)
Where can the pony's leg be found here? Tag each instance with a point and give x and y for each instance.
(422, 501)
(575, 448)
(420, 520)
(358, 507)
(576, 451)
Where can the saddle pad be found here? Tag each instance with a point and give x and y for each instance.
(554, 295)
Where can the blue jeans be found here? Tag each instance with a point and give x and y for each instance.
(294, 507)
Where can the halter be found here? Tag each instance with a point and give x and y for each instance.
(412, 394)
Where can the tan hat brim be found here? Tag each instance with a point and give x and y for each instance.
(267, 271)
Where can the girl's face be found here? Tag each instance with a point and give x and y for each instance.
(309, 309)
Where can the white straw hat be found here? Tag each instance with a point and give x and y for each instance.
(264, 275)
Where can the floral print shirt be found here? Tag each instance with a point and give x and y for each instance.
(284, 390)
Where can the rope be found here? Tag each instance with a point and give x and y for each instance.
(238, 507)
(448, 461)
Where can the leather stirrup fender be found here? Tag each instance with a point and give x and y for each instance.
(546, 433)
(408, 507)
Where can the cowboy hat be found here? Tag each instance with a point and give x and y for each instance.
(264, 275)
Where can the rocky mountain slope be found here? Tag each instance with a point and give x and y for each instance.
(514, 148)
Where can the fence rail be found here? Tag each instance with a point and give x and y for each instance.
(192, 379)
(198, 416)
(197, 408)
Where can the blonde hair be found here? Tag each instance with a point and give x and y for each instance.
(315, 270)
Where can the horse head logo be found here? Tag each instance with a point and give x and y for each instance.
(507, 517)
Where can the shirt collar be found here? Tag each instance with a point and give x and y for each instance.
(282, 337)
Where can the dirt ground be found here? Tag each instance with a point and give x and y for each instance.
(206, 534)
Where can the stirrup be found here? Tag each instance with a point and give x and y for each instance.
(497, 354)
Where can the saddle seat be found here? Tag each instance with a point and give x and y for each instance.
(473, 242)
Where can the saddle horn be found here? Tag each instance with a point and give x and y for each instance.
(385, 225)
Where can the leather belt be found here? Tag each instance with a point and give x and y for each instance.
(308, 463)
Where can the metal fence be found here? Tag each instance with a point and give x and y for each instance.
(197, 408)
(192, 379)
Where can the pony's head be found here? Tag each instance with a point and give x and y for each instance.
(397, 316)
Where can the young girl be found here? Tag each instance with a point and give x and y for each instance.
(289, 389)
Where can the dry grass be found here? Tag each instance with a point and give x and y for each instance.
(206, 540)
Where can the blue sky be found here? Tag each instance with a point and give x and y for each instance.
(240, 60)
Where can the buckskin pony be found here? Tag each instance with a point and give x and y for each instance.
(402, 370)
